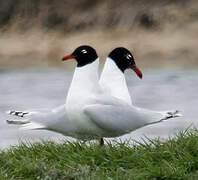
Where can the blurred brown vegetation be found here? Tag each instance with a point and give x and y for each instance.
(69, 16)
(41, 31)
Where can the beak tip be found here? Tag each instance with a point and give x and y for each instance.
(67, 57)
(137, 71)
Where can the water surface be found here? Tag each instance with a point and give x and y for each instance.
(47, 88)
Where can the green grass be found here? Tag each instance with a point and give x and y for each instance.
(175, 159)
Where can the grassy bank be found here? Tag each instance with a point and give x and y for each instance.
(174, 159)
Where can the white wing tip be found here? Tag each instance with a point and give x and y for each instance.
(176, 113)
(9, 112)
(172, 114)
(17, 122)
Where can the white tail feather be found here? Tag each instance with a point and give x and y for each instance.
(32, 126)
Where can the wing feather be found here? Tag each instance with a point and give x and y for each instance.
(119, 117)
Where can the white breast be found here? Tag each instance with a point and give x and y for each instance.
(83, 87)
(113, 82)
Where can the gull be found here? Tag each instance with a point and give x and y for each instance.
(94, 109)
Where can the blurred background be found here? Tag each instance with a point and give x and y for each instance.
(35, 34)
(39, 32)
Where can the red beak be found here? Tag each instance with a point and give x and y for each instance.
(67, 57)
(137, 71)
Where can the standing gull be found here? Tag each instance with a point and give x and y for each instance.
(94, 109)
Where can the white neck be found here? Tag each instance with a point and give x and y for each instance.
(113, 81)
(85, 80)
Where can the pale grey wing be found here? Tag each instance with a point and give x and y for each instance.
(23, 117)
(43, 116)
(58, 121)
(55, 120)
(121, 117)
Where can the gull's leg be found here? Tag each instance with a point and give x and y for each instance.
(101, 141)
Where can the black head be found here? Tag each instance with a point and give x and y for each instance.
(124, 60)
(83, 54)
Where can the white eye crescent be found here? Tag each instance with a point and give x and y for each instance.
(128, 56)
(84, 51)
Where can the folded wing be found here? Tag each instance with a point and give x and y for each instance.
(120, 118)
